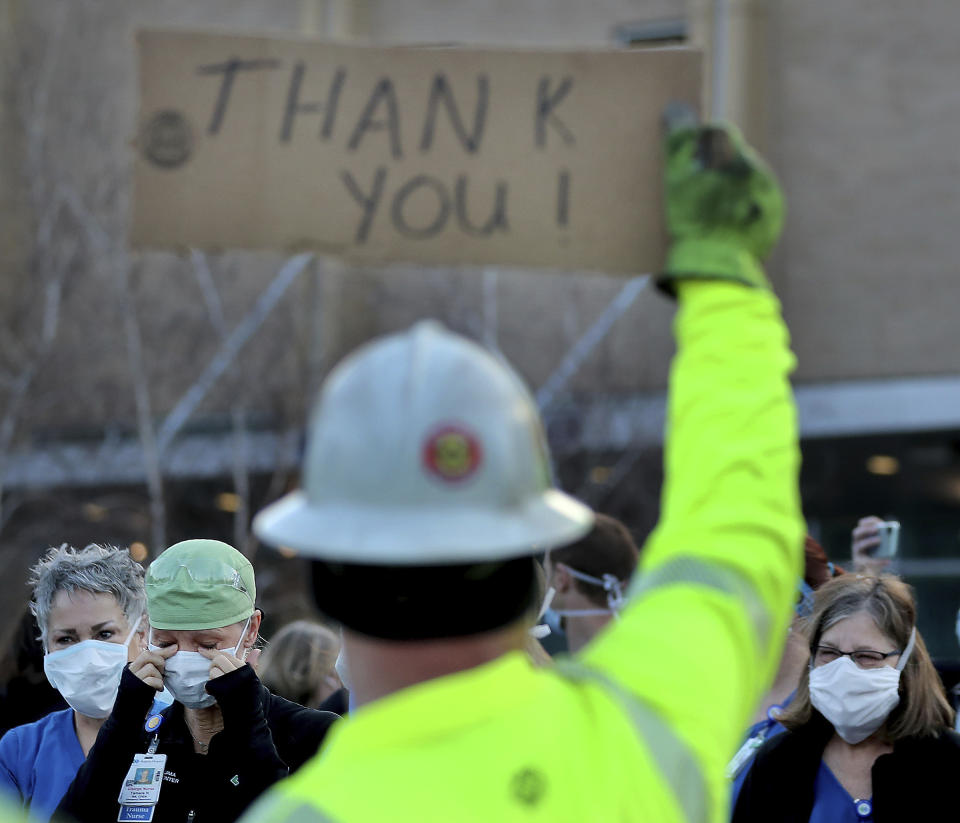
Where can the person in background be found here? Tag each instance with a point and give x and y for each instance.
(955, 691)
(864, 540)
(818, 569)
(25, 693)
(89, 606)
(226, 738)
(427, 495)
(587, 580)
(869, 736)
(298, 664)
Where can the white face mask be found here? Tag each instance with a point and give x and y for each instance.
(185, 675)
(542, 630)
(87, 674)
(856, 701)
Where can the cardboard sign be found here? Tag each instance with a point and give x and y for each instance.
(424, 155)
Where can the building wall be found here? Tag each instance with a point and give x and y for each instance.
(866, 108)
(512, 22)
(13, 223)
(856, 102)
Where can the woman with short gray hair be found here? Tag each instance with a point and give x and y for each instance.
(89, 606)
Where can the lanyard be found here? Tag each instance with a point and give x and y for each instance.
(746, 752)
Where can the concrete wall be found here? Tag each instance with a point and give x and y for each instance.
(512, 22)
(866, 109)
(13, 194)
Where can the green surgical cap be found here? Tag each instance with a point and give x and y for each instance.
(199, 584)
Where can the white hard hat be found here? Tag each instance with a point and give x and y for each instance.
(424, 449)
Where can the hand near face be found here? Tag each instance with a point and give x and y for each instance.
(149, 665)
(222, 661)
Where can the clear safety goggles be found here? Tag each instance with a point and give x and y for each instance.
(201, 570)
(609, 583)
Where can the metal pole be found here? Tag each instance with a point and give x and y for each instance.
(720, 71)
(490, 309)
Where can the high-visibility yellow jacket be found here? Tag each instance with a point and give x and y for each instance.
(640, 726)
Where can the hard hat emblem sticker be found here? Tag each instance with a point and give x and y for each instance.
(452, 453)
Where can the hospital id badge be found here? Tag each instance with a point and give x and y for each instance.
(136, 814)
(141, 786)
(742, 757)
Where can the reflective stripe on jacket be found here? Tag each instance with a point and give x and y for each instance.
(640, 726)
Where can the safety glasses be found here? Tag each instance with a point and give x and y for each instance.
(200, 570)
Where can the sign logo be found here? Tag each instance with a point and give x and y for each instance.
(167, 139)
(452, 453)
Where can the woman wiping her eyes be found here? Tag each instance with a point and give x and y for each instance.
(226, 738)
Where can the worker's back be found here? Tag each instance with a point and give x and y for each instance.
(503, 742)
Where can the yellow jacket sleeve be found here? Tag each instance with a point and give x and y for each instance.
(699, 640)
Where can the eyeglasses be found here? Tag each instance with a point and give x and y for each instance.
(864, 658)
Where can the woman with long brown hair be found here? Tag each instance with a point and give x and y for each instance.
(868, 733)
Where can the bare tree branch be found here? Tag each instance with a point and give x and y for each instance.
(50, 261)
(101, 243)
(204, 278)
(141, 394)
(578, 353)
(241, 463)
(490, 309)
(231, 347)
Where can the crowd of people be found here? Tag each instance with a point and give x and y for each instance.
(500, 651)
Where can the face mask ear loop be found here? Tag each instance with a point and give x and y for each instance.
(547, 600)
(540, 630)
(133, 631)
(243, 634)
(905, 656)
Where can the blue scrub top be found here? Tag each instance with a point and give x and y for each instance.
(765, 729)
(39, 760)
(833, 804)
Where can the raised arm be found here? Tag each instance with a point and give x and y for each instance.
(709, 610)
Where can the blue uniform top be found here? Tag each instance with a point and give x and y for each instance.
(39, 760)
(763, 730)
(833, 804)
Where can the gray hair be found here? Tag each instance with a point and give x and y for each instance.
(95, 569)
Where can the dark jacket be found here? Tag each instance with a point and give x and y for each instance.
(338, 702)
(264, 737)
(916, 781)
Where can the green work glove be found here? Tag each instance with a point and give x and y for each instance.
(724, 206)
